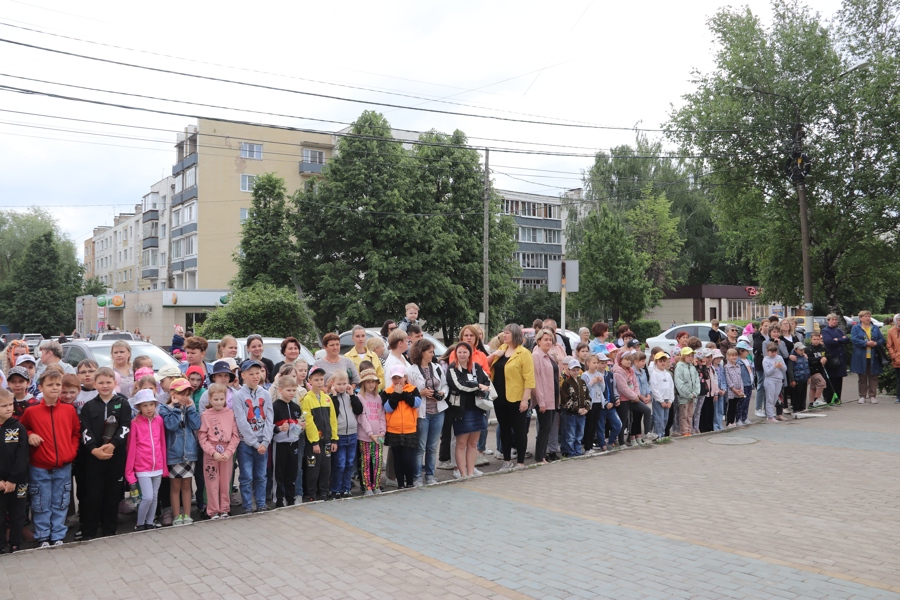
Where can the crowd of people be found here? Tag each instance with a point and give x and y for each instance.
(386, 413)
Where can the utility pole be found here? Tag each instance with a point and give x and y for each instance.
(798, 169)
(487, 224)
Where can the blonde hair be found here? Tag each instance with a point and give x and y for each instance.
(220, 349)
(337, 376)
(412, 305)
(216, 388)
(864, 313)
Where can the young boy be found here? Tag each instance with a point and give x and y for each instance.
(798, 378)
(817, 361)
(28, 362)
(321, 436)
(85, 373)
(610, 424)
(575, 399)
(18, 380)
(165, 377)
(734, 384)
(53, 431)
(411, 318)
(718, 366)
(13, 473)
(747, 362)
(287, 441)
(253, 415)
(105, 423)
(774, 369)
(662, 387)
(582, 350)
(70, 389)
(687, 390)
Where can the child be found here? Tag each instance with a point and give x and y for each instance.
(218, 437)
(687, 390)
(609, 417)
(28, 363)
(718, 375)
(53, 432)
(165, 377)
(320, 436)
(221, 374)
(146, 462)
(582, 351)
(401, 406)
(370, 431)
(18, 380)
(734, 385)
(798, 378)
(85, 372)
(701, 362)
(105, 423)
(182, 422)
(662, 387)
(645, 395)
(70, 389)
(411, 318)
(596, 386)
(774, 369)
(194, 375)
(301, 368)
(13, 473)
(744, 350)
(817, 361)
(253, 416)
(347, 408)
(575, 399)
(288, 427)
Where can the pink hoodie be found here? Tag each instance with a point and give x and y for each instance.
(146, 447)
(371, 423)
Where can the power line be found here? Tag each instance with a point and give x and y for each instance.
(338, 98)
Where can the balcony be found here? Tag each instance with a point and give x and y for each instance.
(150, 215)
(309, 167)
(150, 242)
(150, 273)
(188, 161)
(182, 197)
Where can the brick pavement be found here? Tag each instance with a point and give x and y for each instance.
(809, 511)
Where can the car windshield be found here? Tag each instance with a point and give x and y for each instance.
(103, 354)
(116, 336)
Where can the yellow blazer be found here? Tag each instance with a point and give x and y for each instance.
(519, 373)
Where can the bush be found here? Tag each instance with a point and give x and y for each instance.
(886, 319)
(265, 309)
(642, 328)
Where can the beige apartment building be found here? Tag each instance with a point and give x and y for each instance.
(216, 165)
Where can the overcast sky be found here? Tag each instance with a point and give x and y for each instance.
(619, 64)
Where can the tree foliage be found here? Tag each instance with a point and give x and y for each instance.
(265, 255)
(261, 308)
(743, 115)
(530, 304)
(655, 234)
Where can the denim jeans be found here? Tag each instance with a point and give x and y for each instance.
(611, 417)
(574, 433)
(50, 492)
(660, 418)
(719, 414)
(760, 389)
(252, 476)
(342, 463)
(429, 430)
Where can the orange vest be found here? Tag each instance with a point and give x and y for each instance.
(405, 418)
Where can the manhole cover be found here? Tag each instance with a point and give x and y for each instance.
(731, 440)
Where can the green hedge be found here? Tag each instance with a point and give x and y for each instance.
(642, 328)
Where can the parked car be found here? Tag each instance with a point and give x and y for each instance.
(101, 351)
(666, 340)
(117, 335)
(574, 338)
(851, 321)
(347, 340)
(33, 340)
(271, 350)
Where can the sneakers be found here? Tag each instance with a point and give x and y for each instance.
(771, 420)
(214, 517)
(186, 520)
(430, 480)
(57, 543)
(224, 515)
(552, 457)
(488, 452)
(506, 466)
(779, 418)
(874, 400)
(476, 473)
(417, 483)
(456, 474)
(760, 413)
(649, 437)
(390, 482)
(747, 422)
(178, 521)
(517, 467)
(368, 493)
(444, 465)
(862, 400)
(44, 544)
(820, 402)
(481, 459)
(499, 456)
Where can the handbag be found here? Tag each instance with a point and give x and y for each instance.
(482, 402)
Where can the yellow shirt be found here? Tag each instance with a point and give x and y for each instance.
(868, 331)
(371, 357)
(519, 373)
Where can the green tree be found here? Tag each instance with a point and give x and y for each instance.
(612, 278)
(531, 304)
(93, 287)
(657, 242)
(265, 254)
(744, 116)
(39, 293)
(261, 308)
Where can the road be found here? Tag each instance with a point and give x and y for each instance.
(807, 509)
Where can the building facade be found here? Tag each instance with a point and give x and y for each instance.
(114, 253)
(539, 233)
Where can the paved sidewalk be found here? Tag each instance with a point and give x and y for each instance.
(808, 510)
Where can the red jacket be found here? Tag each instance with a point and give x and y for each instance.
(59, 427)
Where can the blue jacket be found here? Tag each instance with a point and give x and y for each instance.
(181, 433)
(834, 340)
(800, 372)
(859, 339)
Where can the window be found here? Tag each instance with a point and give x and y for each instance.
(187, 214)
(551, 211)
(178, 182)
(532, 284)
(151, 201)
(244, 213)
(162, 231)
(176, 218)
(316, 157)
(531, 234)
(190, 178)
(510, 207)
(528, 209)
(189, 245)
(252, 151)
(151, 258)
(176, 249)
(151, 229)
(162, 202)
(162, 259)
(553, 236)
(247, 182)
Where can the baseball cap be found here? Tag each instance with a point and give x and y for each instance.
(687, 351)
(143, 372)
(660, 355)
(634, 344)
(602, 356)
(398, 371)
(179, 385)
(744, 346)
(20, 371)
(574, 363)
(24, 359)
(249, 364)
(314, 369)
(799, 346)
(168, 371)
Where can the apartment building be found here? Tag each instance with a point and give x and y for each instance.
(115, 253)
(539, 233)
(199, 228)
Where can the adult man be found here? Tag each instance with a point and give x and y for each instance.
(51, 354)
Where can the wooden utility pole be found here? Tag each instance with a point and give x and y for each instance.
(487, 224)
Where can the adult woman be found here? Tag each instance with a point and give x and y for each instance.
(121, 365)
(14, 350)
(512, 371)
(866, 360)
(585, 334)
(387, 328)
(546, 389)
(730, 340)
(619, 331)
(600, 331)
(227, 348)
(469, 335)
(465, 380)
(836, 365)
(333, 361)
(396, 346)
(681, 339)
(893, 347)
(760, 338)
(194, 352)
(431, 381)
(290, 350)
(255, 349)
(359, 352)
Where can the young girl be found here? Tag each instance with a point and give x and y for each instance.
(195, 376)
(182, 421)
(662, 387)
(774, 369)
(687, 389)
(370, 432)
(401, 405)
(145, 464)
(218, 437)
(301, 368)
(645, 394)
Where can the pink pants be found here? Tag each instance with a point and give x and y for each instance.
(218, 485)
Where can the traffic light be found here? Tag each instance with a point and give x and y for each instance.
(798, 166)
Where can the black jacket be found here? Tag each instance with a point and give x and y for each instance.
(93, 421)
(460, 382)
(14, 455)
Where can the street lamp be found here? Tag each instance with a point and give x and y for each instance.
(798, 167)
